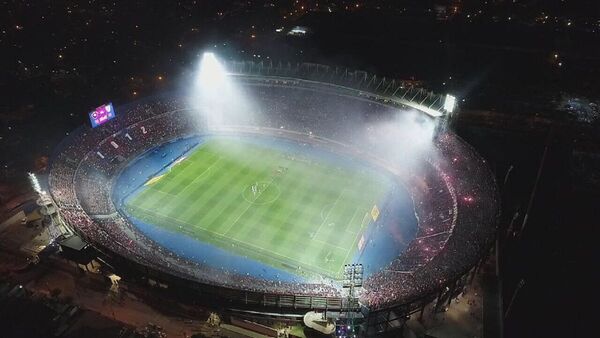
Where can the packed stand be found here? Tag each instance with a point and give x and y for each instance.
(449, 190)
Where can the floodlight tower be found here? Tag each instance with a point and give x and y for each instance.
(352, 279)
(48, 208)
(450, 106)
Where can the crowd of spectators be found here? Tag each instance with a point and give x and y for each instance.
(454, 231)
(452, 189)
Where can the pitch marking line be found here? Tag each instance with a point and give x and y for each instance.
(329, 244)
(350, 223)
(163, 192)
(201, 176)
(323, 216)
(354, 242)
(247, 208)
(325, 272)
(256, 198)
(329, 213)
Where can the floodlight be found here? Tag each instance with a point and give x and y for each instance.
(217, 98)
(211, 70)
(450, 103)
(35, 183)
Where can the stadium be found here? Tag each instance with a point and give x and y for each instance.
(264, 182)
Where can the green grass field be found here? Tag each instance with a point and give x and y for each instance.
(287, 210)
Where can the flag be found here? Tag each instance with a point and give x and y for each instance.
(375, 212)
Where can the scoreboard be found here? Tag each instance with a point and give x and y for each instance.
(102, 114)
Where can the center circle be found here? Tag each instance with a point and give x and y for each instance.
(261, 192)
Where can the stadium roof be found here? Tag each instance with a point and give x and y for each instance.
(408, 93)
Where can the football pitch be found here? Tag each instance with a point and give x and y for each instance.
(280, 206)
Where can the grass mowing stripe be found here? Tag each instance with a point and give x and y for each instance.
(299, 230)
(354, 248)
(331, 222)
(183, 179)
(275, 232)
(217, 169)
(337, 234)
(207, 189)
(207, 204)
(142, 196)
(154, 201)
(262, 253)
(235, 186)
(255, 215)
(185, 176)
(194, 202)
(267, 165)
(294, 208)
(222, 192)
(253, 224)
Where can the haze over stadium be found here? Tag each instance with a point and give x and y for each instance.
(271, 182)
(297, 168)
(218, 100)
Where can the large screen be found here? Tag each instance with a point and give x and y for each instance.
(102, 114)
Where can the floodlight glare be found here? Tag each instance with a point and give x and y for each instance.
(35, 183)
(450, 103)
(215, 95)
(211, 71)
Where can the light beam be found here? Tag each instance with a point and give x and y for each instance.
(212, 73)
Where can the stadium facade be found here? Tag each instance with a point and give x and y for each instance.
(453, 192)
